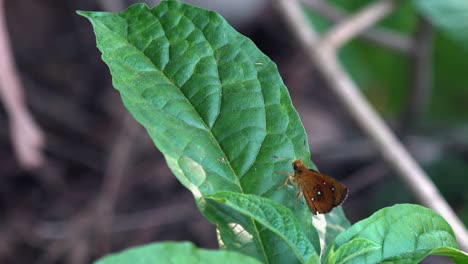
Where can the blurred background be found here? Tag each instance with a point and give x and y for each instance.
(79, 178)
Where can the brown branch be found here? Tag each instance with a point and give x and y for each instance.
(27, 138)
(174, 212)
(357, 23)
(383, 37)
(420, 90)
(95, 221)
(117, 168)
(113, 5)
(324, 58)
(75, 230)
(366, 177)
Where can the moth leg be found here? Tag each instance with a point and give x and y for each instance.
(285, 183)
(295, 200)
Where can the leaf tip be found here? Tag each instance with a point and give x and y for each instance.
(82, 13)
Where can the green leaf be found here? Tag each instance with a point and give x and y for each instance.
(456, 255)
(353, 249)
(402, 233)
(329, 226)
(175, 252)
(450, 16)
(215, 106)
(278, 219)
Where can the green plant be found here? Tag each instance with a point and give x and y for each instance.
(218, 110)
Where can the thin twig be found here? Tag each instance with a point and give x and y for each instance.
(173, 213)
(366, 177)
(324, 57)
(96, 218)
(76, 230)
(420, 90)
(383, 37)
(117, 168)
(357, 23)
(27, 138)
(113, 5)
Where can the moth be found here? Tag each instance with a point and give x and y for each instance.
(322, 193)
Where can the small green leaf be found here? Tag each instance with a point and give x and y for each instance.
(456, 255)
(450, 16)
(352, 250)
(402, 233)
(273, 216)
(175, 252)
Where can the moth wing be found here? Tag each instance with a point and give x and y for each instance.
(308, 197)
(322, 193)
(315, 195)
(341, 193)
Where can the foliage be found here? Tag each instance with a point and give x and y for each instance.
(450, 56)
(385, 76)
(218, 110)
(172, 252)
(451, 16)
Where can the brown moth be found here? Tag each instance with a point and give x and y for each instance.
(321, 192)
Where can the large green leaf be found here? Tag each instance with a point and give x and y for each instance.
(174, 253)
(403, 233)
(217, 109)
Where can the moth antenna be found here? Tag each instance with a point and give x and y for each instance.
(306, 149)
(280, 159)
